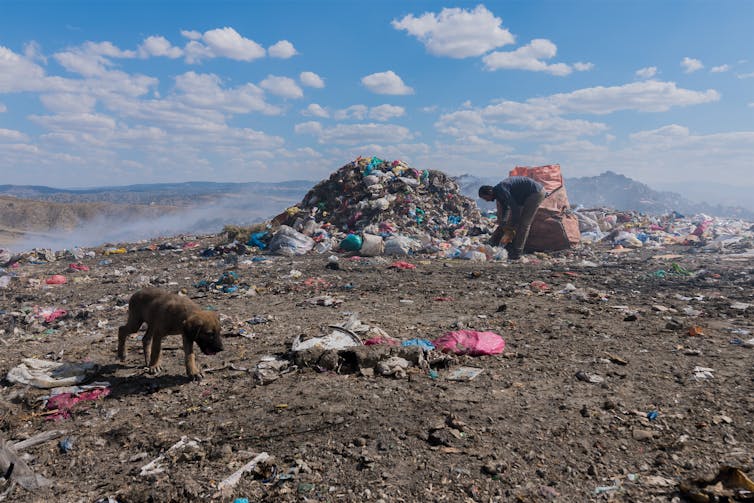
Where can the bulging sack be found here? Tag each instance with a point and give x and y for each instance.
(288, 241)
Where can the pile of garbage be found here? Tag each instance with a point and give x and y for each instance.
(375, 207)
(631, 230)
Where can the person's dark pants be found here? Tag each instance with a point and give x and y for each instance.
(524, 221)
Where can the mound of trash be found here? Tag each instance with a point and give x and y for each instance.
(376, 207)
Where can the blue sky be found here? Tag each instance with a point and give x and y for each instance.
(114, 93)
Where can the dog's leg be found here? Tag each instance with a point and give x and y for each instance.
(146, 343)
(133, 324)
(191, 369)
(154, 361)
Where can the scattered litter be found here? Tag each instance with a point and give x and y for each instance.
(464, 373)
(47, 374)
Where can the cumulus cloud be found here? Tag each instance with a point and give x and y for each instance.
(19, 74)
(647, 72)
(529, 57)
(282, 86)
(221, 42)
(158, 46)
(720, 69)
(583, 67)
(206, 91)
(282, 50)
(691, 65)
(33, 52)
(386, 83)
(645, 96)
(355, 134)
(68, 102)
(456, 32)
(386, 112)
(11, 135)
(354, 112)
(545, 119)
(311, 79)
(311, 128)
(315, 110)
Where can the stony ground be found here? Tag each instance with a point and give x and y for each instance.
(595, 397)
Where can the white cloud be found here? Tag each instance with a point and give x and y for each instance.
(19, 74)
(386, 83)
(159, 46)
(311, 79)
(10, 135)
(86, 122)
(745, 75)
(315, 110)
(529, 57)
(191, 34)
(386, 112)
(720, 69)
(282, 86)
(545, 119)
(647, 96)
(456, 32)
(311, 127)
(583, 67)
(33, 52)
(354, 112)
(68, 102)
(3, 108)
(647, 72)
(353, 134)
(222, 42)
(691, 65)
(206, 91)
(282, 50)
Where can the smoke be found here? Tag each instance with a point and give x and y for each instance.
(243, 209)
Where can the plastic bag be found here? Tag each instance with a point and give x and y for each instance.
(287, 241)
(470, 342)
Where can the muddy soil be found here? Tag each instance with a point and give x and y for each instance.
(595, 397)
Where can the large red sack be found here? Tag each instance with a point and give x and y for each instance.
(554, 227)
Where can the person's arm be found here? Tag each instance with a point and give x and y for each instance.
(502, 217)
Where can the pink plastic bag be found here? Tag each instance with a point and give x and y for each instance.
(56, 279)
(64, 402)
(470, 342)
(400, 264)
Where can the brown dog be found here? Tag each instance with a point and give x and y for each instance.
(165, 314)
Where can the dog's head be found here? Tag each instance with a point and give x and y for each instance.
(203, 328)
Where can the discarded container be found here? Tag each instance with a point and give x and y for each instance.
(351, 242)
(372, 245)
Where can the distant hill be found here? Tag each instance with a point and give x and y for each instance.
(613, 190)
(168, 194)
(38, 216)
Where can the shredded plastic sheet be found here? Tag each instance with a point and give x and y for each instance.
(46, 374)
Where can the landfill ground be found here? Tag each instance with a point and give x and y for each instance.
(602, 392)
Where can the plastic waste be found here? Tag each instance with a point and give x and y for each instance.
(351, 242)
(372, 245)
(424, 344)
(56, 279)
(47, 374)
(337, 339)
(470, 342)
(288, 241)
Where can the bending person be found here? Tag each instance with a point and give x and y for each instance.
(518, 198)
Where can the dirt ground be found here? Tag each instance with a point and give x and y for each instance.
(595, 397)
